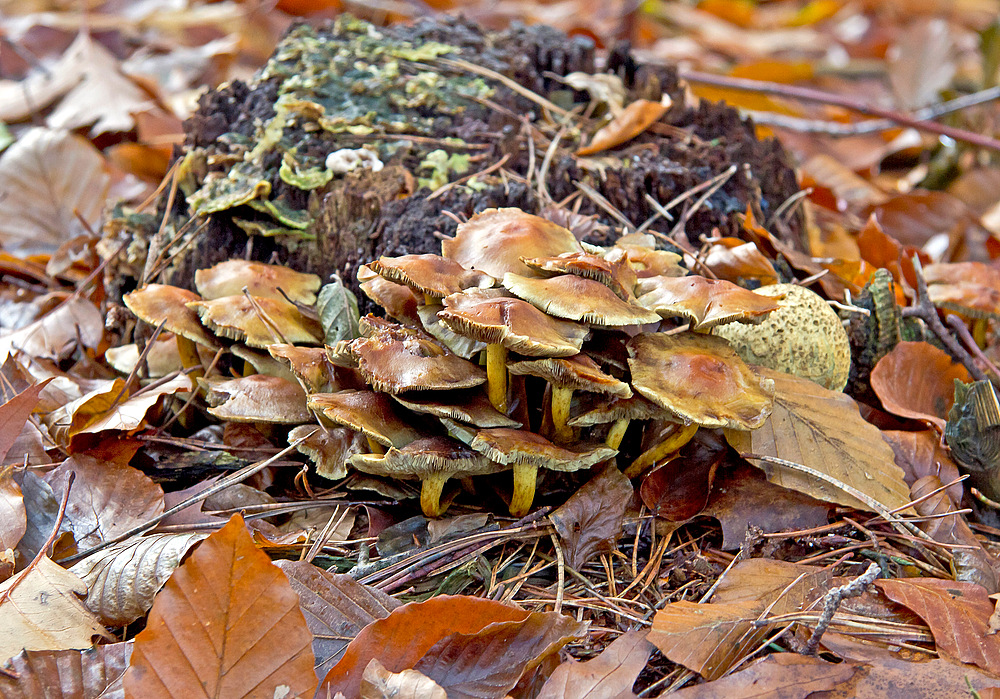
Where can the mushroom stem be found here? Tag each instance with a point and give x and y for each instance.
(682, 435)
(524, 489)
(562, 398)
(496, 376)
(979, 327)
(188, 351)
(617, 433)
(375, 446)
(430, 494)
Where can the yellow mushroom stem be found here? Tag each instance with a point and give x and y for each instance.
(617, 432)
(524, 489)
(681, 435)
(375, 446)
(188, 351)
(562, 398)
(431, 488)
(431, 301)
(496, 376)
(979, 327)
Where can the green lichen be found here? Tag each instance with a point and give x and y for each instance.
(307, 178)
(441, 166)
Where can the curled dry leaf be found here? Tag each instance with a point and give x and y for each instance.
(379, 683)
(53, 335)
(608, 676)
(920, 454)
(632, 121)
(824, 431)
(122, 580)
(14, 415)
(95, 673)
(226, 624)
(40, 609)
(779, 675)
(917, 380)
(970, 288)
(591, 520)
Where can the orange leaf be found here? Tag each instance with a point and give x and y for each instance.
(634, 119)
(226, 624)
(916, 380)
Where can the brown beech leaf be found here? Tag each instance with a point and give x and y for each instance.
(57, 332)
(957, 613)
(95, 673)
(226, 624)
(678, 489)
(710, 638)
(920, 454)
(784, 675)
(970, 288)
(40, 609)
(106, 499)
(469, 646)
(336, 608)
(917, 380)
(591, 520)
(734, 259)
(917, 216)
(122, 580)
(15, 412)
(379, 683)
(634, 119)
(608, 676)
(824, 431)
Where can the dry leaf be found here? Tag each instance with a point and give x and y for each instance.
(920, 454)
(122, 580)
(917, 380)
(43, 85)
(591, 520)
(95, 673)
(40, 609)
(379, 683)
(633, 120)
(13, 416)
(922, 62)
(608, 676)
(824, 431)
(785, 675)
(733, 259)
(226, 624)
(679, 488)
(48, 178)
(54, 334)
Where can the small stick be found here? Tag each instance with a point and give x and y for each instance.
(832, 600)
(561, 572)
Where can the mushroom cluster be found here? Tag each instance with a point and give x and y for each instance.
(517, 348)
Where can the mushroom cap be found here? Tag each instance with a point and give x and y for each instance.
(471, 406)
(262, 280)
(459, 344)
(612, 269)
(396, 358)
(516, 324)
(646, 260)
(398, 300)
(579, 372)
(162, 357)
(700, 379)
(257, 398)
(329, 449)
(309, 364)
(236, 317)
(425, 457)
(375, 415)
(263, 363)
(704, 302)
(495, 240)
(159, 303)
(577, 298)
(433, 275)
(601, 412)
(803, 337)
(507, 446)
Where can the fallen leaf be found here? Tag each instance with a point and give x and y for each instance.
(915, 217)
(608, 676)
(336, 608)
(920, 454)
(847, 187)
(379, 683)
(122, 580)
(95, 673)
(591, 520)
(56, 333)
(784, 675)
(824, 431)
(922, 62)
(969, 288)
(633, 120)
(957, 613)
(734, 259)
(40, 609)
(917, 380)
(226, 624)
(678, 489)
(43, 85)
(462, 643)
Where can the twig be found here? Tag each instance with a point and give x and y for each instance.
(832, 600)
(962, 330)
(810, 95)
(561, 572)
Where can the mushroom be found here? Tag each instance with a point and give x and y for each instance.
(504, 324)
(309, 364)
(229, 278)
(578, 298)
(257, 362)
(565, 375)
(375, 415)
(433, 276)
(398, 300)
(258, 322)
(158, 303)
(257, 398)
(394, 358)
(704, 303)
(328, 448)
(646, 260)
(433, 460)
(495, 240)
(526, 452)
(619, 412)
(612, 269)
(162, 357)
(469, 406)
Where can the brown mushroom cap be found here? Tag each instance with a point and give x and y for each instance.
(398, 300)
(262, 363)
(602, 411)
(646, 260)
(577, 298)
(704, 302)
(465, 347)
(236, 317)
(612, 269)
(470, 406)
(309, 364)
(425, 457)
(495, 240)
(394, 359)
(375, 415)
(580, 373)
(701, 379)
(257, 398)
(432, 275)
(262, 280)
(329, 449)
(162, 357)
(516, 324)
(159, 303)
(509, 447)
